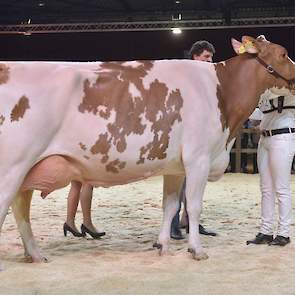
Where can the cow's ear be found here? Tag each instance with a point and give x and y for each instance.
(246, 39)
(237, 46)
(250, 44)
(245, 46)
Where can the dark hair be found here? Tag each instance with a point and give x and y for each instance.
(199, 46)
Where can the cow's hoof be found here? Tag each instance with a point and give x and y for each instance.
(157, 245)
(198, 256)
(162, 250)
(44, 260)
(30, 259)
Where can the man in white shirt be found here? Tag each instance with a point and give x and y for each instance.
(276, 150)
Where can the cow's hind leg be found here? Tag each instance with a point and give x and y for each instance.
(196, 179)
(171, 189)
(7, 193)
(3, 212)
(21, 210)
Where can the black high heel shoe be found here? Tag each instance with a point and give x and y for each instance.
(94, 235)
(68, 228)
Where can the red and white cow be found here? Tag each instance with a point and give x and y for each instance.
(117, 122)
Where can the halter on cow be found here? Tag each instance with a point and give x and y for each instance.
(118, 122)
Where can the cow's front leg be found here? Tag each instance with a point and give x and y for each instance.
(195, 185)
(171, 188)
(21, 210)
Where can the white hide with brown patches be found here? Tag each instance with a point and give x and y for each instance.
(114, 123)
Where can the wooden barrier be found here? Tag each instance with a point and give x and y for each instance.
(238, 150)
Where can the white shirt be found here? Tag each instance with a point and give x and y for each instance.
(274, 119)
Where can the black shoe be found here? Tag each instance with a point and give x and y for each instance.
(94, 235)
(176, 233)
(68, 228)
(206, 232)
(203, 231)
(261, 239)
(279, 241)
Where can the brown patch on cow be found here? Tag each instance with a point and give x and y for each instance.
(102, 145)
(82, 146)
(115, 166)
(111, 93)
(19, 109)
(104, 159)
(2, 119)
(86, 157)
(4, 73)
(162, 125)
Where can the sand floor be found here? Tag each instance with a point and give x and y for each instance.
(124, 262)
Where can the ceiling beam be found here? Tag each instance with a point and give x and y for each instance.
(29, 29)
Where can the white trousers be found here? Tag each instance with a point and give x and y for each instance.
(274, 156)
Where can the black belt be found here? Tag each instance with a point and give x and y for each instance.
(276, 109)
(277, 131)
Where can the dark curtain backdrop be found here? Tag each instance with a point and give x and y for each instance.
(130, 45)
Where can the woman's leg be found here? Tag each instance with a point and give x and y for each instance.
(73, 201)
(86, 201)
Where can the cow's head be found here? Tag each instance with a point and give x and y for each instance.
(274, 58)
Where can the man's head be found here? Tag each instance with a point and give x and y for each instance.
(202, 50)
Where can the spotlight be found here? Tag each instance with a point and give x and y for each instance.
(176, 31)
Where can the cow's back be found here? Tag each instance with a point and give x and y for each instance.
(117, 120)
(121, 125)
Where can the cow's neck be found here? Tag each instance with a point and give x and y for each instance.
(240, 88)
